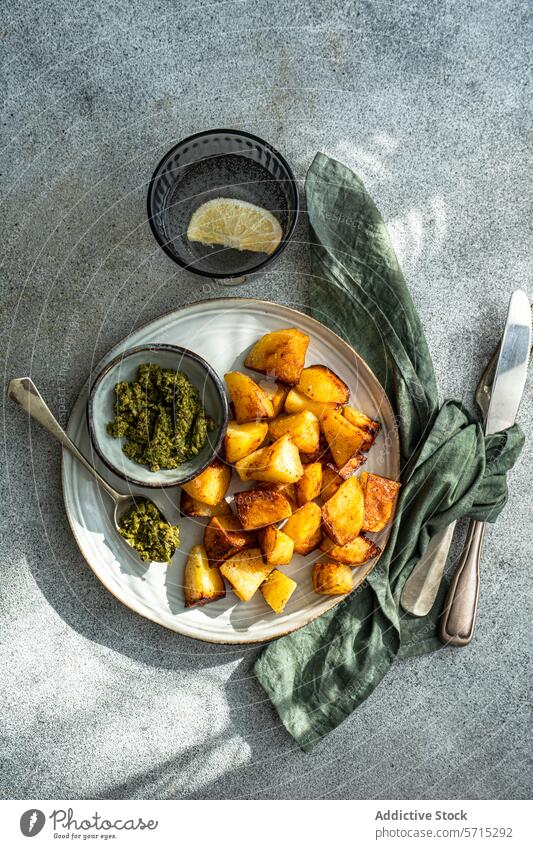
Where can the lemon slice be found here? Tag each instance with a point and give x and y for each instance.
(235, 224)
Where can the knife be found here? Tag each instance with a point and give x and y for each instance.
(458, 618)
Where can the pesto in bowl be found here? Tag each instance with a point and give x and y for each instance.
(157, 406)
(161, 417)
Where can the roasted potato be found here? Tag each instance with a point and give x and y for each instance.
(354, 553)
(322, 385)
(277, 392)
(276, 546)
(243, 439)
(310, 484)
(280, 354)
(296, 402)
(342, 514)
(276, 463)
(202, 583)
(359, 419)
(331, 480)
(343, 438)
(262, 506)
(379, 497)
(303, 428)
(288, 490)
(309, 452)
(211, 485)
(250, 402)
(225, 536)
(304, 528)
(369, 427)
(351, 465)
(245, 571)
(332, 578)
(190, 506)
(321, 455)
(277, 590)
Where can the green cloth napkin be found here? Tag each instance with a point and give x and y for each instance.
(316, 676)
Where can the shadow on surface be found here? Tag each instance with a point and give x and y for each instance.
(180, 777)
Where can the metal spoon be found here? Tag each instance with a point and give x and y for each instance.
(25, 393)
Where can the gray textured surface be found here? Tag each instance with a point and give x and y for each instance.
(428, 102)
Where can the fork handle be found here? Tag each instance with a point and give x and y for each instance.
(458, 619)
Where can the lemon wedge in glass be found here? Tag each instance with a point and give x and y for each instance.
(235, 224)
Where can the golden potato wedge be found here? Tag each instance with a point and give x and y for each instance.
(343, 438)
(277, 392)
(262, 506)
(296, 402)
(225, 536)
(277, 590)
(332, 578)
(202, 583)
(354, 553)
(310, 484)
(276, 546)
(303, 428)
(190, 506)
(246, 571)
(351, 465)
(367, 438)
(276, 463)
(250, 402)
(305, 528)
(369, 427)
(322, 385)
(288, 490)
(342, 514)
(243, 439)
(379, 497)
(321, 455)
(331, 480)
(211, 485)
(280, 354)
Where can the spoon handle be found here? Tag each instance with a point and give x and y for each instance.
(24, 392)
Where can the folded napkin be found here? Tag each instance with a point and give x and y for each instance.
(316, 676)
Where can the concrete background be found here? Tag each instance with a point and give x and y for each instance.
(428, 102)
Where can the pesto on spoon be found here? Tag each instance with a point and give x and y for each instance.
(147, 531)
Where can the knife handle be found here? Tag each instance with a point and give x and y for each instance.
(458, 618)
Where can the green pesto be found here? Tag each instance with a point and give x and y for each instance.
(150, 535)
(161, 416)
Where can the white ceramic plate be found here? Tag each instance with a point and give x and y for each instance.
(221, 331)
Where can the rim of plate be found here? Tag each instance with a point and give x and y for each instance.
(184, 352)
(335, 600)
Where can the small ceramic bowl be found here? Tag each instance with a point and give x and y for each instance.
(100, 411)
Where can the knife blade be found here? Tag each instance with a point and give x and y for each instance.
(458, 619)
(511, 369)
